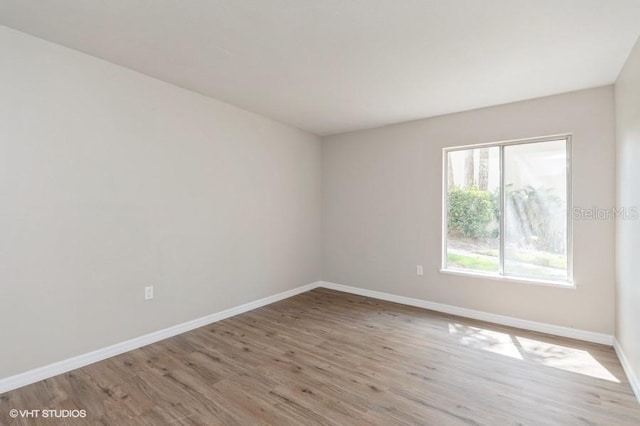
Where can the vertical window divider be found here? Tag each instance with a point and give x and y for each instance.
(569, 222)
(502, 212)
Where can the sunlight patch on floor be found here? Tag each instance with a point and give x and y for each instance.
(543, 353)
(565, 358)
(489, 340)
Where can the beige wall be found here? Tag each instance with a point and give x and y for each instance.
(627, 95)
(382, 201)
(111, 181)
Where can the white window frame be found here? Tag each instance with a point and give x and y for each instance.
(500, 275)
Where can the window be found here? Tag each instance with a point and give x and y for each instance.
(506, 209)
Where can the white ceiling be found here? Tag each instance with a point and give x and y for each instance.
(329, 66)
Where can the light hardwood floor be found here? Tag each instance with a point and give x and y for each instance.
(326, 357)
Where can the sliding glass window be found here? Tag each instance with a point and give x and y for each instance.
(506, 209)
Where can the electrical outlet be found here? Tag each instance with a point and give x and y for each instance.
(419, 270)
(148, 293)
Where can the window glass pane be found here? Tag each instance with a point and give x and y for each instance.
(535, 227)
(473, 203)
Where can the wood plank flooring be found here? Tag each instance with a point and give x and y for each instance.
(332, 358)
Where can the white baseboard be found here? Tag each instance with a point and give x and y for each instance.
(41, 373)
(557, 330)
(634, 380)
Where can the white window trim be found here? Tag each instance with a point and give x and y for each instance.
(565, 283)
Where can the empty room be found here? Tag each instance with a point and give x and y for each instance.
(320, 212)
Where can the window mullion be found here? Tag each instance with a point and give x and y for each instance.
(502, 213)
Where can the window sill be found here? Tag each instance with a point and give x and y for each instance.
(520, 280)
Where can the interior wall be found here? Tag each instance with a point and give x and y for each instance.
(627, 101)
(382, 201)
(111, 181)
